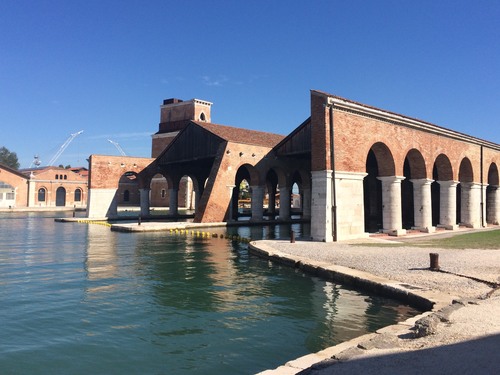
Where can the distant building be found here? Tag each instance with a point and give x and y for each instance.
(44, 187)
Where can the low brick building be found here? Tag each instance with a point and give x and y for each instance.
(46, 187)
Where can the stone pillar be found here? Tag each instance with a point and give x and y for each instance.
(197, 197)
(493, 204)
(321, 206)
(271, 205)
(31, 191)
(232, 190)
(448, 205)
(350, 205)
(285, 203)
(102, 203)
(471, 204)
(257, 202)
(144, 199)
(391, 205)
(422, 204)
(306, 203)
(173, 205)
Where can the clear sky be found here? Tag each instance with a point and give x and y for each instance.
(105, 66)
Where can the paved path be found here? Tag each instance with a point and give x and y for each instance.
(456, 338)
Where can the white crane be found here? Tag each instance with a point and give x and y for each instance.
(117, 147)
(63, 147)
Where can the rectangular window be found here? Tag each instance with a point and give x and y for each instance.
(11, 196)
(163, 193)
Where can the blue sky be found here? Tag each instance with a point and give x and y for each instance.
(105, 66)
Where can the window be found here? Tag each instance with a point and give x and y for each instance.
(65, 177)
(126, 196)
(78, 195)
(41, 195)
(57, 177)
(10, 196)
(163, 193)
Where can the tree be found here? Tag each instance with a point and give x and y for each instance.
(8, 158)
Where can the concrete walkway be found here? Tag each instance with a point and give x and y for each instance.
(460, 335)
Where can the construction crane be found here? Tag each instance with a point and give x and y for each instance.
(63, 147)
(117, 147)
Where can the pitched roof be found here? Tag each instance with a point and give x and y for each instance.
(239, 135)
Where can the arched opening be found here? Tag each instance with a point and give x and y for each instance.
(493, 196)
(296, 194)
(407, 201)
(128, 196)
(7, 195)
(414, 171)
(42, 195)
(78, 195)
(270, 197)
(186, 194)
(465, 175)
(441, 171)
(60, 197)
(242, 192)
(158, 194)
(379, 162)
(372, 195)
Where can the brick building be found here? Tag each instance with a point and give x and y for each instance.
(46, 187)
(357, 170)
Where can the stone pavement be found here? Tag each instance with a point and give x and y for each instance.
(460, 335)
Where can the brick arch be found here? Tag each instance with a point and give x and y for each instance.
(493, 178)
(465, 171)
(417, 164)
(247, 172)
(385, 160)
(443, 169)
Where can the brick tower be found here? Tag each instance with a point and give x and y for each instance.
(175, 114)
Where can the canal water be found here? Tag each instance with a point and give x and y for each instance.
(78, 299)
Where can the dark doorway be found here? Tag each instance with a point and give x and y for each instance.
(407, 206)
(61, 196)
(372, 191)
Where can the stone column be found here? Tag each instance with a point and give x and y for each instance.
(173, 205)
(493, 205)
(306, 203)
(321, 206)
(271, 205)
(31, 191)
(422, 204)
(257, 202)
(350, 205)
(448, 204)
(144, 199)
(231, 189)
(285, 203)
(471, 204)
(197, 196)
(391, 205)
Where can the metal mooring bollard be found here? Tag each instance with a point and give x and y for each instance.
(292, 237)
(139, 221)
(434, 261)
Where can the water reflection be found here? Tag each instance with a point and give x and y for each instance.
(157, 303)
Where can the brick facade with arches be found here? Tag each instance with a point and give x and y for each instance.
(357, 170)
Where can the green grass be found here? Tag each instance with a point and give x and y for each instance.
(478, 240)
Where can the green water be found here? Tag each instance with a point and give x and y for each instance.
(80, 299)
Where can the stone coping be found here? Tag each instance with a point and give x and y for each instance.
(428, 300)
